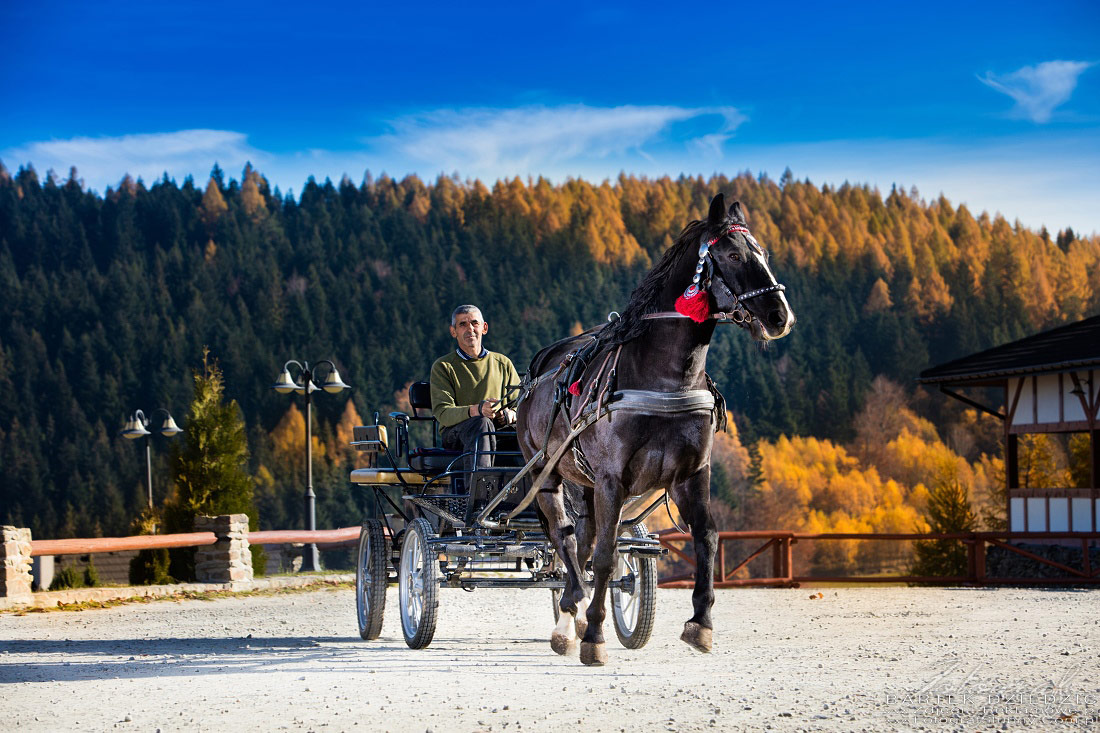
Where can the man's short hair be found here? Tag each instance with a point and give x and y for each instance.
(465, 309)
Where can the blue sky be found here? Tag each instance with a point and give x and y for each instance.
(997, 105)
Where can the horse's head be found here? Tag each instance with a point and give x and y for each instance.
(736, 272)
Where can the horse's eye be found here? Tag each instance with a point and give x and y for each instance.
(736, 257)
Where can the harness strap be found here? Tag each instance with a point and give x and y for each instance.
(610, 378)
(589, 389)
(695, 400)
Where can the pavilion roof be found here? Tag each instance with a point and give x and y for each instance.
(1074, 346)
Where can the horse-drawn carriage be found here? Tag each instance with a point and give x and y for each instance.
(606, 422)
(439, 525)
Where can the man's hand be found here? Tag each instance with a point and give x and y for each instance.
(507, 416)
(485, 408)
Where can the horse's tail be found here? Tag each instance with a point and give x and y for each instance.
(575, 507)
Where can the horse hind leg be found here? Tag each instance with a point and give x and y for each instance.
(607, 505)
(580, 622)
(563, 536)
(586, 541)
(563, 639)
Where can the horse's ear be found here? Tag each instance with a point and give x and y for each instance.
(717, 213)
(737, 212)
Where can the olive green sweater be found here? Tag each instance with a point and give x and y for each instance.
(458, 383)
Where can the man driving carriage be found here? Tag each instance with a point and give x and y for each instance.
(470, 389)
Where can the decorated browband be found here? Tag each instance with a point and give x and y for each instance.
(693, 303)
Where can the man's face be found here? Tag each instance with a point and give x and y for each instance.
(468, 330)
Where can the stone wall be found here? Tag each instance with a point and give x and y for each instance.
(228, 560)
(15, 557)
(284, 558)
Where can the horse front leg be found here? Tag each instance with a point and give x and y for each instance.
(692, 498)
(607, 504)
(563, 536)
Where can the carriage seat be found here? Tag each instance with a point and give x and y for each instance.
(431, 460)
(427, 459)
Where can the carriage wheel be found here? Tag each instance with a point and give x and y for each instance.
(370, 579)
(634, 608)
(418, 583)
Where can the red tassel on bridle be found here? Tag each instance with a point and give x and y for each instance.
(575, 388)
(694, 303)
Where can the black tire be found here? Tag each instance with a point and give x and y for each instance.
(370, 579)
(634, 613)
(418, 585)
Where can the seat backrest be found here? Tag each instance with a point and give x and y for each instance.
(372, 438)
(420, 396)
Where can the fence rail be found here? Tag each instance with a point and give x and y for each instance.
(780, 545)
(192, 539)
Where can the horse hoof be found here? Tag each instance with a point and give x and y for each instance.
(592, 654)
(697, 637)
(561, 644)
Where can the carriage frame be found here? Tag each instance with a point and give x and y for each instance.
(429, 531)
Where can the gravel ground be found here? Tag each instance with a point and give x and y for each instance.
(869, 659)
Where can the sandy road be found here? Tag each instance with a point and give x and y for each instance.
(857, 659)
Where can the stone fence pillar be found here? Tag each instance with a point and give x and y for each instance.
(15, 558)
(228, 560)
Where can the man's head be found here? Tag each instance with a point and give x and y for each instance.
(468, 326)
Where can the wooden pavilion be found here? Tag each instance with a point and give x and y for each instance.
(1051, 384)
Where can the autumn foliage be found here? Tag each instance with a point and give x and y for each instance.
(880, 483)
(111, 296)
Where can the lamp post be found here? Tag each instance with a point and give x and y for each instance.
(138, 427)
(333, 385)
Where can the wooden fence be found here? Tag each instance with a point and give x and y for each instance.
(779, 545)
(341, 536)
(730, 571)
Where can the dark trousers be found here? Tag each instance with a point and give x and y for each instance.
(472, 433)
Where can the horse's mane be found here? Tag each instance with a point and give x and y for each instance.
(643, 300)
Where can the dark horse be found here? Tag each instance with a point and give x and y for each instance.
(657, 350)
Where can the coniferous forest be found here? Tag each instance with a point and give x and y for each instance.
(109, 300)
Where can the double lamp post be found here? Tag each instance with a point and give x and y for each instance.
(307, 386)
(138, 427)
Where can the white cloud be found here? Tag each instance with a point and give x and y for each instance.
(1038, 90)
(102, 161)
(536, 139)
(1041, 177)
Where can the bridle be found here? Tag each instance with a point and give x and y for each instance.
(739, 315)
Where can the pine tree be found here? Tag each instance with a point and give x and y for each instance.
(149, 567)
(213, 205)
(251, 197)
(211, 466)
(948, 512)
